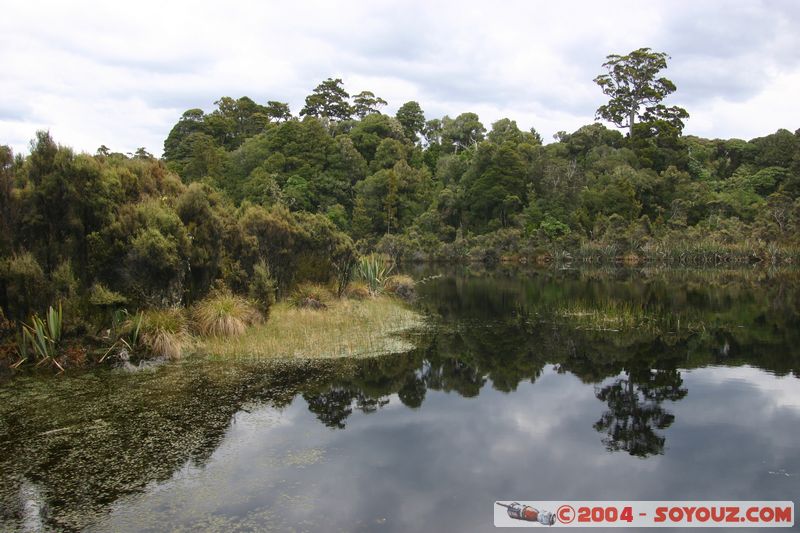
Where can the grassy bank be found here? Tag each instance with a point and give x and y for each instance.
(347, 328)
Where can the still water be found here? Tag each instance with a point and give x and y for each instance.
(527, 385)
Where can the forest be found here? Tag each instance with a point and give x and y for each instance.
(253, 200)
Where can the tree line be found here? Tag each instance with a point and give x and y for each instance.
(251, 196)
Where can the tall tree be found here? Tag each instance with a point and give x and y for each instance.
(366, 103)
(329, 100)
(411, 116)
(636, 91)
(462, 132)
(278, 111)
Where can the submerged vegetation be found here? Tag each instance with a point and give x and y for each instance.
(617, 316)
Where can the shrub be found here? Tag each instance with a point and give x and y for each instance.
(65, 285)
(400, 285)
(26, 285)
(164, 332)
(101, 296)
(224, 314)
(262, 287)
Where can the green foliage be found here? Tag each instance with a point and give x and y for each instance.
(374, 269)
(262, 287)
(102, 296)
(366, 103)
(246, 185)
(43, 337)
(26, 287)
(412, 118)
(636, 92)
(329, 100)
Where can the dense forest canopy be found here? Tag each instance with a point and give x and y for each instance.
(250, 191)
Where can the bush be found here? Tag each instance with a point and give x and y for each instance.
(26, 285)
(401, 285)
(164, 332)
(65, 285)
(262, 287)
(224, 314)
(103, 297)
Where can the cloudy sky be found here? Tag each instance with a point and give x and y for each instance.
(103, 73)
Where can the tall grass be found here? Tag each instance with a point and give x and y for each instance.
(224, 314)
(348, 328)
(164, 332)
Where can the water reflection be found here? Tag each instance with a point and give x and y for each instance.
(539, 371)
(635, 411)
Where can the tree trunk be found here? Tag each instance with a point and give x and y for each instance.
(631, 120)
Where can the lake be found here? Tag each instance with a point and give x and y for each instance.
(528, 384)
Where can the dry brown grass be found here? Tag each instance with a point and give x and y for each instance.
(165, 333)
(224, 315)
(357, 290)
(347, 328)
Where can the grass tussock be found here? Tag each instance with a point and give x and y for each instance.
(224, 315)
(357, 290)
(164, 332)
(347, 328)
(400, 285)
(311, 296)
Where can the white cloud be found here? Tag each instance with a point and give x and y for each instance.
(94, 73)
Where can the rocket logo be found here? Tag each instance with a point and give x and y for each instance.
(527, 513)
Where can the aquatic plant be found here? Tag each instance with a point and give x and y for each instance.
(224, 314)
(374, 269)
(618, 316)
(164, 332)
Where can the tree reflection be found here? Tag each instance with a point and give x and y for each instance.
(635, 411)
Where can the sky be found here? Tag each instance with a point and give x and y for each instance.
(121, 75)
